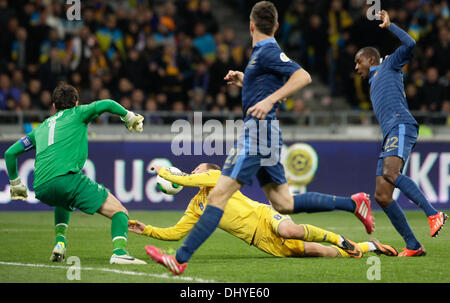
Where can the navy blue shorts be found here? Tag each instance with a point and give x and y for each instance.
(257, 154)
(398, 142)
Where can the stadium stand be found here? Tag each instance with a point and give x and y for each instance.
(168, 58)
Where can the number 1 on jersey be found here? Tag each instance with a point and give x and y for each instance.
(51, 132)
(51, 128)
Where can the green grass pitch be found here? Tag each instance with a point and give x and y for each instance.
(27, 240)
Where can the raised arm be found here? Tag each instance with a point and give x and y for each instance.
(404, 53)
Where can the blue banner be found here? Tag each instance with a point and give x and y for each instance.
(343, 168)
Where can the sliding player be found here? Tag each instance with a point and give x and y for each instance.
(61, 145)
(255, 223)
(400, 131)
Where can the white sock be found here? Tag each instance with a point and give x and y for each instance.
(372, 246)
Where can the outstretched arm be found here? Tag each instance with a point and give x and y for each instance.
(208, 178)
(173, 233)
(404, 53)
(95, 109)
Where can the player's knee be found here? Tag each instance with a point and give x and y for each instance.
(291, 231)
(283, 208)
(215, 197)
(382, 199)
(390, 176)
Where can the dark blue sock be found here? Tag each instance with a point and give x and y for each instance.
(413, 192)
(201, 231)
(398, 219)
(317, 202)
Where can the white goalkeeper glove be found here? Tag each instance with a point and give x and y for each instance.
(134, 122)
(18, 190)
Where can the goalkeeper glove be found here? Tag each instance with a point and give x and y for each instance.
(134, 122)
(18, 190)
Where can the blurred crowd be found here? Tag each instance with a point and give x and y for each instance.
(147, 55)
(152, 55)
(327, 35)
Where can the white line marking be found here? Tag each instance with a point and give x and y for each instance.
(116, 271)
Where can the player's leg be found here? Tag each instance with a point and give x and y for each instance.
(312, 249)
(391, 173)
(397, 148)
(210, 218)
(287, 229)
(113, 209)
(275, 187)
(62, 218)
(383, 196)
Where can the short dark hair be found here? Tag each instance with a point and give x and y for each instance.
(64, 96)
(370, 52)
(212, 166)
(265, 15)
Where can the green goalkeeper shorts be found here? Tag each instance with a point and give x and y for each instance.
(72, 191)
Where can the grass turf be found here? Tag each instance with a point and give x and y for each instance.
(27, 239)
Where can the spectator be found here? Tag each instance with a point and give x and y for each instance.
(6, 91)
(54, 70)
(432, 92)
(45, 100)
(197, 100)
(219, 69)
(53, 41)
(34, 92)
(204, 42)
(22, 50)
(150, 107)
(205, 16)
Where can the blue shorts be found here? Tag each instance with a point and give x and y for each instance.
(257, 153)
(398, 142)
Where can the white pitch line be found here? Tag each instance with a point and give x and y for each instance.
(117, 271)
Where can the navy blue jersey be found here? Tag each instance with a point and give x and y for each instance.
(387, 90)
(267, 70)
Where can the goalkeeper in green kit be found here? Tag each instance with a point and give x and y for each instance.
(61, 144)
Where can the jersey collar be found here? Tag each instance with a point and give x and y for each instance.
(372, 71)
(266, 41)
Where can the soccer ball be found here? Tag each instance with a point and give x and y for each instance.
(168, 187)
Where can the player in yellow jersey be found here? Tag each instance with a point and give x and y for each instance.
(255, 223)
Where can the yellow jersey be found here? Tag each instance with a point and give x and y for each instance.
(254, 222)
(240, 218)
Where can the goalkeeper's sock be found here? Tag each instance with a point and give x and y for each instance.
(399, 221)
(201, 231)
(317, 202)
(367, 247)
(62, 218)
(413, 192)
(119, 232)
(342, 252)
(316, 234)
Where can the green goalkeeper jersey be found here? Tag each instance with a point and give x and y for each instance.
(61, 141)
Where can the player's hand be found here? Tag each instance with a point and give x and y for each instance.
(260, 109)
(386, 21)
(234, 77)
(134, 122)
(136, 226)
(156, 168)
(18, 190)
